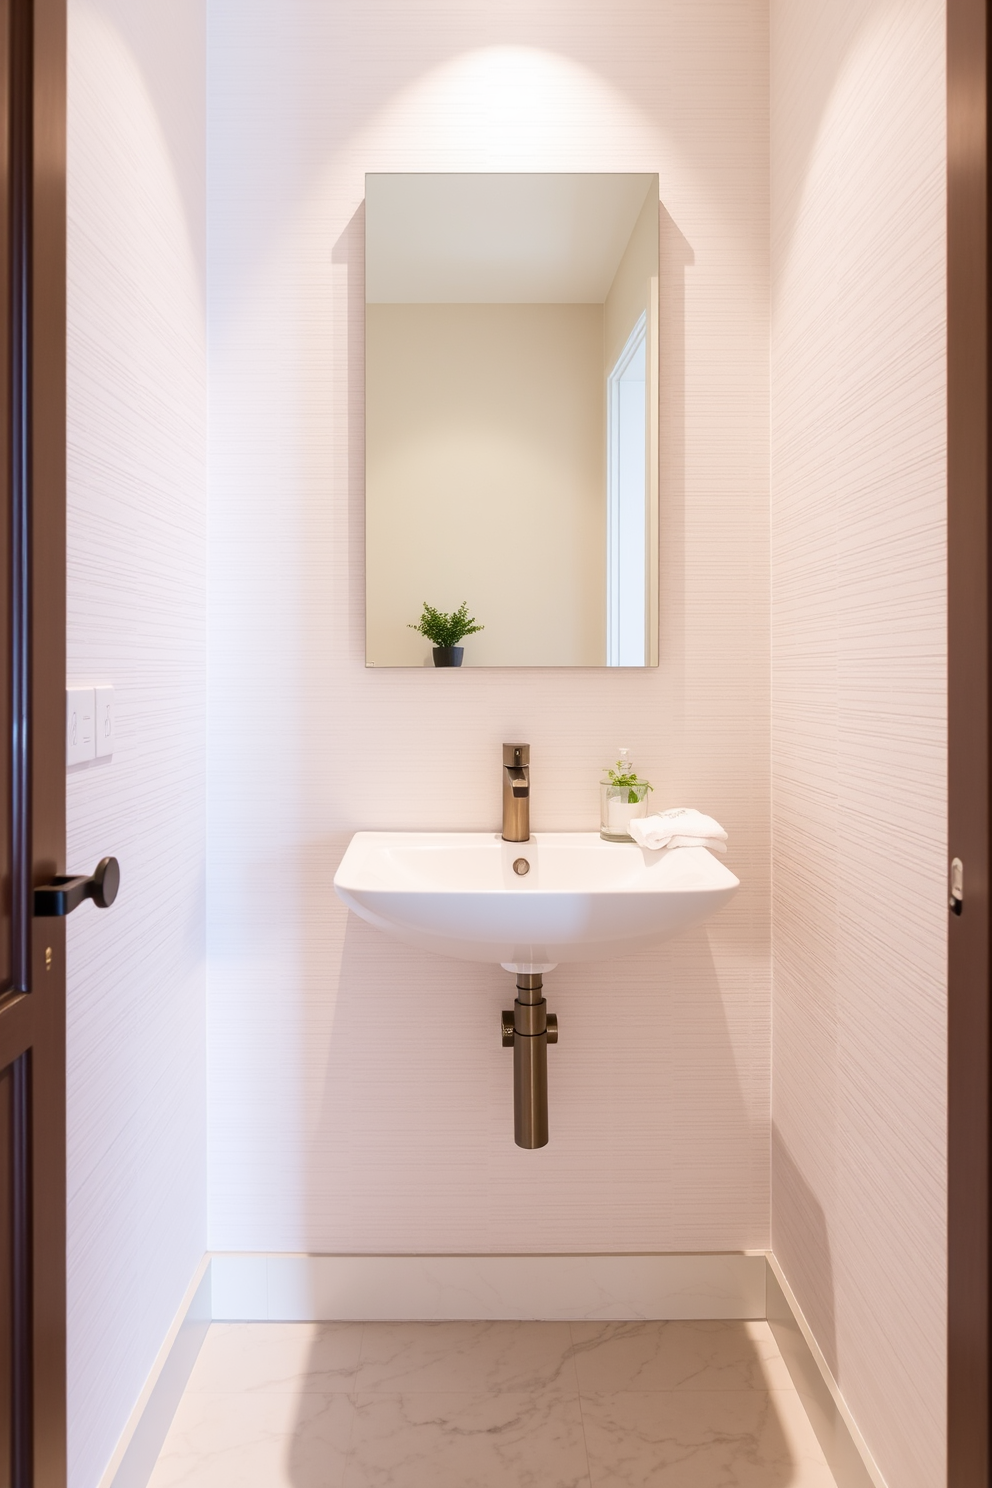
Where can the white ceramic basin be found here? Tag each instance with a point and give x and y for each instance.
(583, 899)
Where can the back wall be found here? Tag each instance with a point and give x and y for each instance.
(359, 1098)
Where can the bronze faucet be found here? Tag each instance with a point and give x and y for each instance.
(516, 792)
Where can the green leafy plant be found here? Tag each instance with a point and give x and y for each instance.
(446, 630)
(622, 777)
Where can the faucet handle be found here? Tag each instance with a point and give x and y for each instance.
(516, 755)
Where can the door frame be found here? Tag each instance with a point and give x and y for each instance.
(636, 342)
(32, 996)
(968, 1330)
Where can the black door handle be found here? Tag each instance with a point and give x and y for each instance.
(63, 895)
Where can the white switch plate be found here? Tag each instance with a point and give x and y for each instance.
(104, 721)
(80, 740)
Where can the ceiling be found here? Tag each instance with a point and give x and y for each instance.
(497, 239)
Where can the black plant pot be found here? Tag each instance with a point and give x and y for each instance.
(448, 655)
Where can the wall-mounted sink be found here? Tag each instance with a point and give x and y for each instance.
(561, 896)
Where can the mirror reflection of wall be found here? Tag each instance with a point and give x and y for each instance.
(511, 416)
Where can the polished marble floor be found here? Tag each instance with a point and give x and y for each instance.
(490, 1405)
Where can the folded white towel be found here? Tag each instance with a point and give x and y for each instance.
(678, 827)
(713, 843)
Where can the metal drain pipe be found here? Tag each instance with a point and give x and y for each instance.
(528, 1030)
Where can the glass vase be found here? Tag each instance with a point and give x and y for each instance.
(619, 805)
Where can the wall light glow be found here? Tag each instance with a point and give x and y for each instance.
(508, 108)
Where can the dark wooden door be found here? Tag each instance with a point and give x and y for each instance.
(969, 717)
(32, 750)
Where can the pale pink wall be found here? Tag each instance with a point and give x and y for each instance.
(136, 619)
(859, 798)
(359, 1096)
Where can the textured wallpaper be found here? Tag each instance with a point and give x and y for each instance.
(136, 620)
(359, 1096)
(859, 889)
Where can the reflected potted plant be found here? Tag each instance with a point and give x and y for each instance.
(445, 631)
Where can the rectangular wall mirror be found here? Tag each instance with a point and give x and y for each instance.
(511, 407)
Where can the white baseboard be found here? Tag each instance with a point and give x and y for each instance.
(297, 1288)
(316, 1288)
(141, 1440)
(836, 1430)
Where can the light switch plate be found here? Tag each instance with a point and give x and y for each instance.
(80, 738)
(104, 721)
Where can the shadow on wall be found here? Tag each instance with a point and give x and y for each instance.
(850, 42)
(507, 1402)
(675, 255)
(407, 1109)
(808, 1219)
(349, 252)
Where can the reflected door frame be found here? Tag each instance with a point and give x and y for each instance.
(618, 566)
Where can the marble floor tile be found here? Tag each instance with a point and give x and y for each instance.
(491, 1405)
(277, 1357)
(677, 1356)
(503, 1440)
(404, 1358)
(255, 1440)
(702, 1439)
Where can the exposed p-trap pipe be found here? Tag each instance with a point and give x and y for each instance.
(528, 1030)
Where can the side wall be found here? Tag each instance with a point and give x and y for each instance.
(137, 614)
(634, 287)
(345, 1115)
(859, 740)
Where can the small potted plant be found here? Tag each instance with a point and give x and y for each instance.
(622, 798)
(445, 631)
